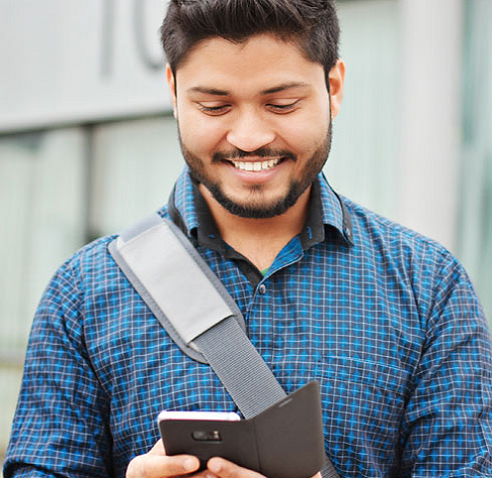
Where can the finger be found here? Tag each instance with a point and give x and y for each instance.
(158, 448)
(204, 474)
(227, 469)
(152, 465)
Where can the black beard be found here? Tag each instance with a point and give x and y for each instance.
(256, 210)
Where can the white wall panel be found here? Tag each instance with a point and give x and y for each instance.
(79, 61)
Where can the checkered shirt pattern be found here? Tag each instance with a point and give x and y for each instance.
(387, 322)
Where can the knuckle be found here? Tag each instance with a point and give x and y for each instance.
(228, 470)
(141, 467)
(133, 468)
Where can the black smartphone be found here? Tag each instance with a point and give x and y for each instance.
(284, 441)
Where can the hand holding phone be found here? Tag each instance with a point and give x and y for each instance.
(157, 464)
(284, 441)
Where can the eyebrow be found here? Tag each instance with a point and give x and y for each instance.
(285, 86)
(208, 91)
(268, 91)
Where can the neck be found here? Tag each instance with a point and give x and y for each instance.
(260, 240)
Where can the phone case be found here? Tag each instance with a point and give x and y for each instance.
(284, 441)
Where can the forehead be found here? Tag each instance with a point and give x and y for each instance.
(258, 62)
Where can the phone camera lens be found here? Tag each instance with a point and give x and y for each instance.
(207, 435)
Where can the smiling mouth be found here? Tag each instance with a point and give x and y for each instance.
(256, 165)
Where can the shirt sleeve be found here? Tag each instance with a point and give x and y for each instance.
(448, 420)
(60, 425)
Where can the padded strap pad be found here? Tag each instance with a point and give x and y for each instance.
(174, 281)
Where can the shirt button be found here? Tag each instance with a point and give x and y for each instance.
(262, 289)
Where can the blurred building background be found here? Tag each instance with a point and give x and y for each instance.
(88, 144)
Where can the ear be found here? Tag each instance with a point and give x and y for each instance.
(172, 88)
(336, 77)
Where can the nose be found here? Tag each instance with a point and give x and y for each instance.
(249, 131)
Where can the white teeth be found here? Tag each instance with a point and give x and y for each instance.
(256, 165)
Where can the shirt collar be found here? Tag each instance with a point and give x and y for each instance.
(336, 217)
(328, 219)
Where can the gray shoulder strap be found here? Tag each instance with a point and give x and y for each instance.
(195, 309)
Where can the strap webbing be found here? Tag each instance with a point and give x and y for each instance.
(241, 369)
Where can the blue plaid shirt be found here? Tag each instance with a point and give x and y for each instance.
(386, 320)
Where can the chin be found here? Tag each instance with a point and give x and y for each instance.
(260, 207)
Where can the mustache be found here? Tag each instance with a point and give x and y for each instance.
(259, 153)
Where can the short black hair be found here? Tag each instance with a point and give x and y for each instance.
(312, 24)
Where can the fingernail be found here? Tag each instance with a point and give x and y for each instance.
(214, 466)
(189, 464)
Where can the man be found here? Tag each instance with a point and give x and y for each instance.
(386, 320)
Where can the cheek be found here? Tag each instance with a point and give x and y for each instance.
(200, 136)
(307, 131)
(305, 138)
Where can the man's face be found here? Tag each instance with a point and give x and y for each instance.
(254, 121)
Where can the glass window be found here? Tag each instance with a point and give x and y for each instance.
(42, 213)
(475, 232)
(362, 163)
(135, 165)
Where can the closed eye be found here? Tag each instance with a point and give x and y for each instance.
(283, 108)
(214, 110)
